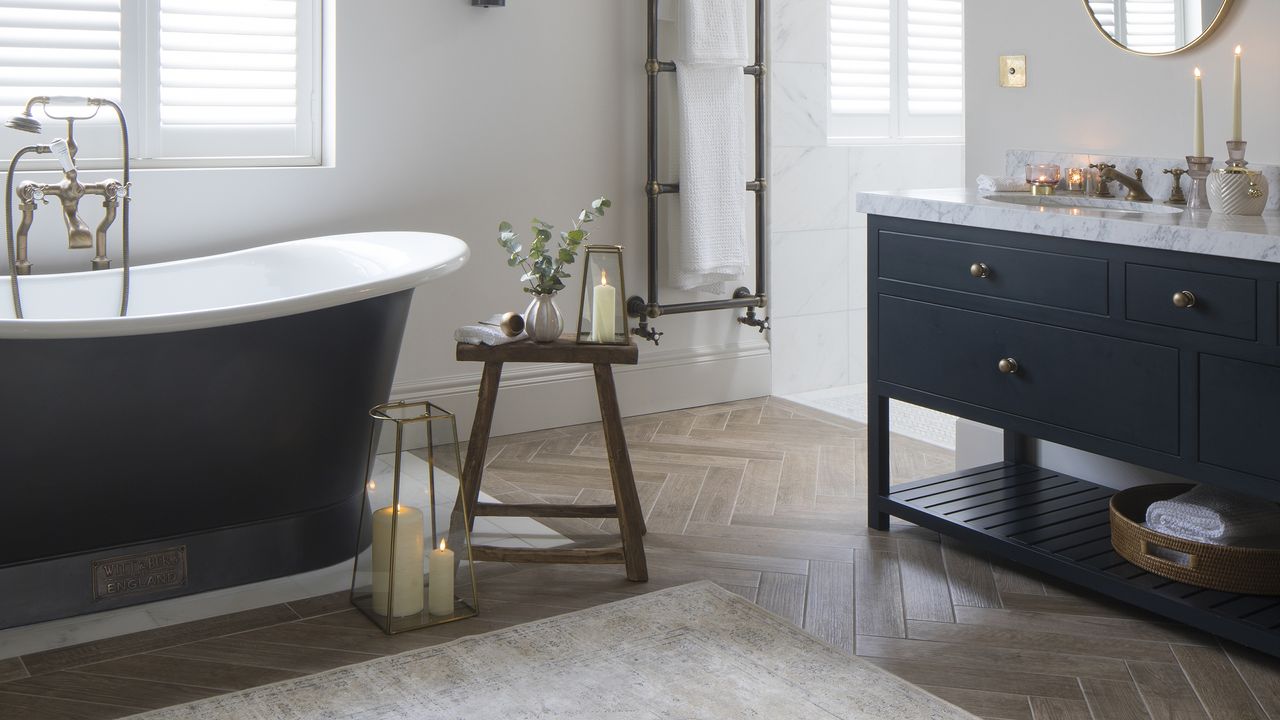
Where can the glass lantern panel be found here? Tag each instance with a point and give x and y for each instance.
(413, 568)
(603, 309)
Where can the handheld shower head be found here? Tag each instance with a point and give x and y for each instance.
(24, 122)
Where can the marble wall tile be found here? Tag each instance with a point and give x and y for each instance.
(858, 346)
(798, 30)
(810, 272)
(902, 167)
(799, 105)
(810, 189)
(857, 243)
(810, 352)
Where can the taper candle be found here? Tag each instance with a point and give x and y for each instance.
(440, 581)
(1237, 126)
(1197, 132)
(406, 596)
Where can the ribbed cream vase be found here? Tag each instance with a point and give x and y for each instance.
(1229, 193)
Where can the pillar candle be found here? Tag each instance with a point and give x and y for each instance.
(1198, 128)
(408, 549)
(440, 585)
(1237, 126)
(604, 303)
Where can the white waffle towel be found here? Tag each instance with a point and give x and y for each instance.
(712, 247)
(714, 31)
(988, 184)
(480, 334)
(1210, 515)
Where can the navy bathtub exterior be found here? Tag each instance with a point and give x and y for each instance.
(245, 444)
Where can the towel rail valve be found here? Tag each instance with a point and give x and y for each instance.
(750, 319)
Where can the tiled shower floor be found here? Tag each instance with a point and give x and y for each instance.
(850, 401)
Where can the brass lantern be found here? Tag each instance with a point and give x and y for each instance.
(602, 312)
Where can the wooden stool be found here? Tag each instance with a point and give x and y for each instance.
(627, 502)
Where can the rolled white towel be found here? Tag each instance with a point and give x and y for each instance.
(988, 184)
(1210, 515)
(480, 334)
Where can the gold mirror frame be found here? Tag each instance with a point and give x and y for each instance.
(1217, 21)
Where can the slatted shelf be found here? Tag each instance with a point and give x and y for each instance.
(1059, 524)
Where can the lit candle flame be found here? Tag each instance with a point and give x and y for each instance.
(1239, 49)
(373, 485)
(1197, 72)
(442, 547)
(604, 279)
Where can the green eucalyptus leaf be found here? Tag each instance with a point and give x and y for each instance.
(504, 227)
(566, 255)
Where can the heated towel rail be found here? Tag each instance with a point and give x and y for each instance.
(743, 297)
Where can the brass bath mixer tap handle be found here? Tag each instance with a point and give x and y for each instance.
(1175, 196)
(1103, 190)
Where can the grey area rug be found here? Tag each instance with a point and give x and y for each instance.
(694, 651)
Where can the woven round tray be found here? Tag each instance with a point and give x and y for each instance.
(1252, 571)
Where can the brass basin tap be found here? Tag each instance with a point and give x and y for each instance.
(1108, 173)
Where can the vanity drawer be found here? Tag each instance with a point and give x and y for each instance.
(1240, 415)
(1204, 302)
(1043, 278)
(1117, 389)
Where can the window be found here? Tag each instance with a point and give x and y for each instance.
(220, 82)
(897, 69)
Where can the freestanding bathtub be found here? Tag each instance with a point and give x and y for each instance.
(216, 436)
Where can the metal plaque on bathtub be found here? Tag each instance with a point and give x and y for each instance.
(142, 573)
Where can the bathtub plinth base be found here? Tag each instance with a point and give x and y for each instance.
(63, 587)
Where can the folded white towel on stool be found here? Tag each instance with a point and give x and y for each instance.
(988, 184)
(714, 31)
(1210, 515)
(712, 247)
(479, 334)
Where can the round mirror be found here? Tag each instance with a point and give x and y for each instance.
(1157, 27)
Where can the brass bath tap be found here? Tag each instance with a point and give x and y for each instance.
(1108, 173)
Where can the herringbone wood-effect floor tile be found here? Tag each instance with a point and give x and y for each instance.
(766, 498)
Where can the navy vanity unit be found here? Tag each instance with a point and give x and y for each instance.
(1163, 358)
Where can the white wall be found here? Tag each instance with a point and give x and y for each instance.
(1084, 94)
(450, 118)
(819, 244)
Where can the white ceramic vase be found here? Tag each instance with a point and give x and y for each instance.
(542, 319)
(1237, 193)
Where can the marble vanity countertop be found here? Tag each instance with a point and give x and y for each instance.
(1198, 231)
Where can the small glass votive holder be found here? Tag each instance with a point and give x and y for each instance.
(1043, 178)
(1075, 180)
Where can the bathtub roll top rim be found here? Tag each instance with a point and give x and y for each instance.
(257, 283)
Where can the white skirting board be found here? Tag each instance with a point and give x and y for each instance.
(536, 397)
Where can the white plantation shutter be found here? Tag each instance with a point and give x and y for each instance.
(897, 69)
(229, 79)
(1151, 25)
(73, 51)
(222, 81)
(1105, 12)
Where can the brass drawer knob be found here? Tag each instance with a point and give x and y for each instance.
(1008, 366)
(1184, 299)
(979, 270)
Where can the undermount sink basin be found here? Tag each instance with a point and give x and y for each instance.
(1082, 203)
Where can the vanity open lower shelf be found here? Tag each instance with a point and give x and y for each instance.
(1164, 359)
(1059, 524)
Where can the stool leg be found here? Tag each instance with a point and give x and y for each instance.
(630, 513)
(478, 447)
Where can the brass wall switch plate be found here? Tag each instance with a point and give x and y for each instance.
(1013, 71)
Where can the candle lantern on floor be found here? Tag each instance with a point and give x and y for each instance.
(413, 551)
(602, 317)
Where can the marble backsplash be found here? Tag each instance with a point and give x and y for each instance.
(1157, 183)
